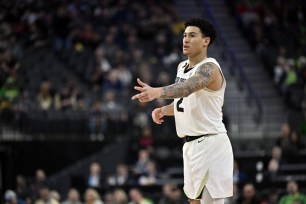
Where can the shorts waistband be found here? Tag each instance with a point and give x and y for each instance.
(189, 138)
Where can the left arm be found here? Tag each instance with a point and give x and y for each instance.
(204, 76)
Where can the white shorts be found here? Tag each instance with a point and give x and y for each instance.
(208, 162)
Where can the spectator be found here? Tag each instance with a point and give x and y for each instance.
(136, 197)
(22, 188)
(101, 67)
(293, 195)
(45, 197)
(39, 183)
(112, 82)
(92, 197)
(94, 178)
(97, 122)
(73, 197)
(296, 141)
(248, 195)
(146, 140)
(240, 177)
(140, 166)
(108, 197)
(284, 141)
(44, 97)
(55, 195)
(171, 195)
(120, 197)
(10, 197)
(9, 64)
(150, 177)
(122, 176)
(275, 161)
(63, 99)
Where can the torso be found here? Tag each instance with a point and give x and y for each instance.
(201, 112)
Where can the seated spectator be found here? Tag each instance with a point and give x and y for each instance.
(9, 93)
(92, 197)
(38, 183)
(9, 64)
(94, 178)
(55, 195)
(44, 97)
(284, 141)
(140, 166)
(122, 176)
(10, 197)
(136, 197)
(22, 188)
(97, 121)
(73, 197)
(171, 195)
(248, 195)
(45, 197)
(101, 67)
(239, 176)
(108, 197)
(293, 195)
(146, 140)
(120, 197)
(150, 177)
(296, 141)
(112, 82)
(275, 161)
(63, 99)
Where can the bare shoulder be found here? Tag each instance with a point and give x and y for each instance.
(211, 73)
(208, 69)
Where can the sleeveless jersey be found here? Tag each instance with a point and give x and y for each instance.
(199, 113)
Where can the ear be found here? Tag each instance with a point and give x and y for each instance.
(206, 41)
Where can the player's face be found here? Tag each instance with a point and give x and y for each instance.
(193, 41)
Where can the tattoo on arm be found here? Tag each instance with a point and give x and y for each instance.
(203, 76)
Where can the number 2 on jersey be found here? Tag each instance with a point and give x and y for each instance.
(178, 108)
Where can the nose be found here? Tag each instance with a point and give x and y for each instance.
(185, 40)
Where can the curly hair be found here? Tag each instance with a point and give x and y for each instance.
(207, 29)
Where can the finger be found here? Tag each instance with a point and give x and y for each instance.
(138, 88)
(136, 96)
(140, 82)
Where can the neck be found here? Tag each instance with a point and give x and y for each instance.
(193, 60)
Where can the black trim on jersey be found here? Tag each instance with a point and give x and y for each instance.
(185, 65)
(187, 70)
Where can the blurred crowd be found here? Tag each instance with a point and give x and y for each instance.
(277, 32)
(100, 48)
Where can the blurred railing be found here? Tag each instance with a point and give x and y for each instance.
(236, 68)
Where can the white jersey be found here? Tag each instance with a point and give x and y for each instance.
(199, 113)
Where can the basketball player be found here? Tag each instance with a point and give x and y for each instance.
(197, 107)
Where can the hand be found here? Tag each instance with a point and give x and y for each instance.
(157, 115)
(147, 94)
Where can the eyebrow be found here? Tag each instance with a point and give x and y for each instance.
(190, 33)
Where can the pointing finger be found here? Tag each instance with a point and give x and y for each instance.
(140, 82)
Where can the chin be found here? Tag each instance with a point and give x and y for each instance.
(186, 52)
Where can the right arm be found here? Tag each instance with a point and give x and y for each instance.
(159, 113)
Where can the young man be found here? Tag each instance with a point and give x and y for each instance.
(198, 99)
